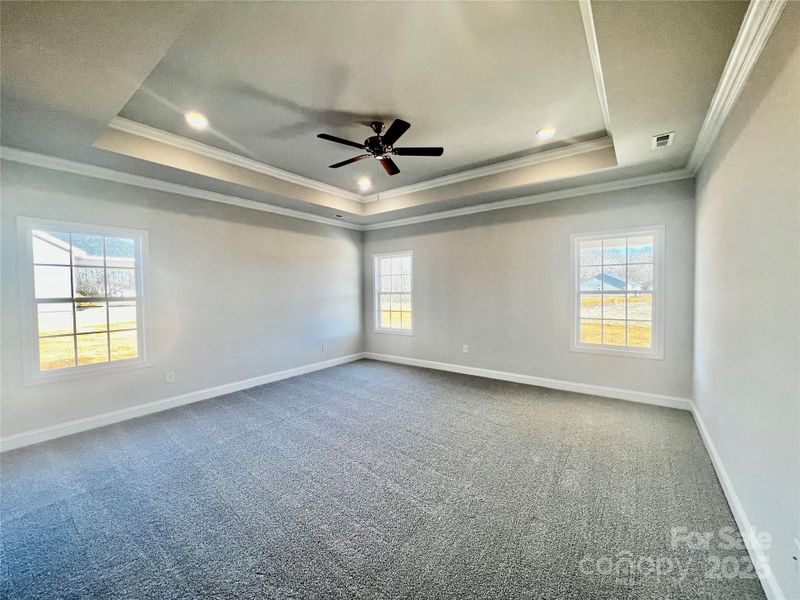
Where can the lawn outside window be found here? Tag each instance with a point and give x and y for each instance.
(618, 292)
(82, 298)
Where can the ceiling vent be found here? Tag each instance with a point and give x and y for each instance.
(662, 140)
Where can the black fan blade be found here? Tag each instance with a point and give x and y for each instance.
(389, 166)
(338, 140)
(419, 151)
(396, 129)
(349, 161)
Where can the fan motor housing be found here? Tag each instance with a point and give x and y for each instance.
(375, 146)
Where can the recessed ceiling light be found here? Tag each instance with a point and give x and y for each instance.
(364, 183)
(546, 133)
(196, 120)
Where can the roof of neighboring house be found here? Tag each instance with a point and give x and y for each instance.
(57, 242)
(596, 282)
(81, 257)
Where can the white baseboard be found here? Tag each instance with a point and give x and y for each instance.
(757, 554)
(771, 587)
(556, 384)
(55, 431)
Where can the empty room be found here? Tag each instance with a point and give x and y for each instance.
(400, 300)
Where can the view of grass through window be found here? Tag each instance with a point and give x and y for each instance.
(616, 291)
(86, 301)
(393, 285)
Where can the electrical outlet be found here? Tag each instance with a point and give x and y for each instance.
(170, 377)
(324, 346)
(465, 349)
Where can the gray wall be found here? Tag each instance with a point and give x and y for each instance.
(747, 332)
(500, 281)
(233, 294)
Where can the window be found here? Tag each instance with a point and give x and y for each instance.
(394, 293)
(82, 298)
(618, 292)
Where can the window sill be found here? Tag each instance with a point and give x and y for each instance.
(395, 331)
(86, 371)
(611, 351)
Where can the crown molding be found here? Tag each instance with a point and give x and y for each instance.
(757, 25)
(177, 141)
(594, 56)
(77, 168)
(584, 190)
(499, 167)
(69, 166)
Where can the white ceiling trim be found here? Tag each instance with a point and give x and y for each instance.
(177, 141)
(757, 25)
(585, 190)
(69, 166)
(594, 55)
(500, 167)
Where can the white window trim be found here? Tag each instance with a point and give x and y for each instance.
(30, 333)
(657, 351)
(376, 312)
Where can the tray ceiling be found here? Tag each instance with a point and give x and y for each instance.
(477, 78)
(106, 85)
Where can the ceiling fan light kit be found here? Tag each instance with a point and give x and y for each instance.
(381, 146)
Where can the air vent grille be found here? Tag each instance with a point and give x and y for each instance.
(662, 140)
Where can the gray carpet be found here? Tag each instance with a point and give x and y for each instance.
(372, 480)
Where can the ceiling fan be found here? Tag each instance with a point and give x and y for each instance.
(380, 146)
